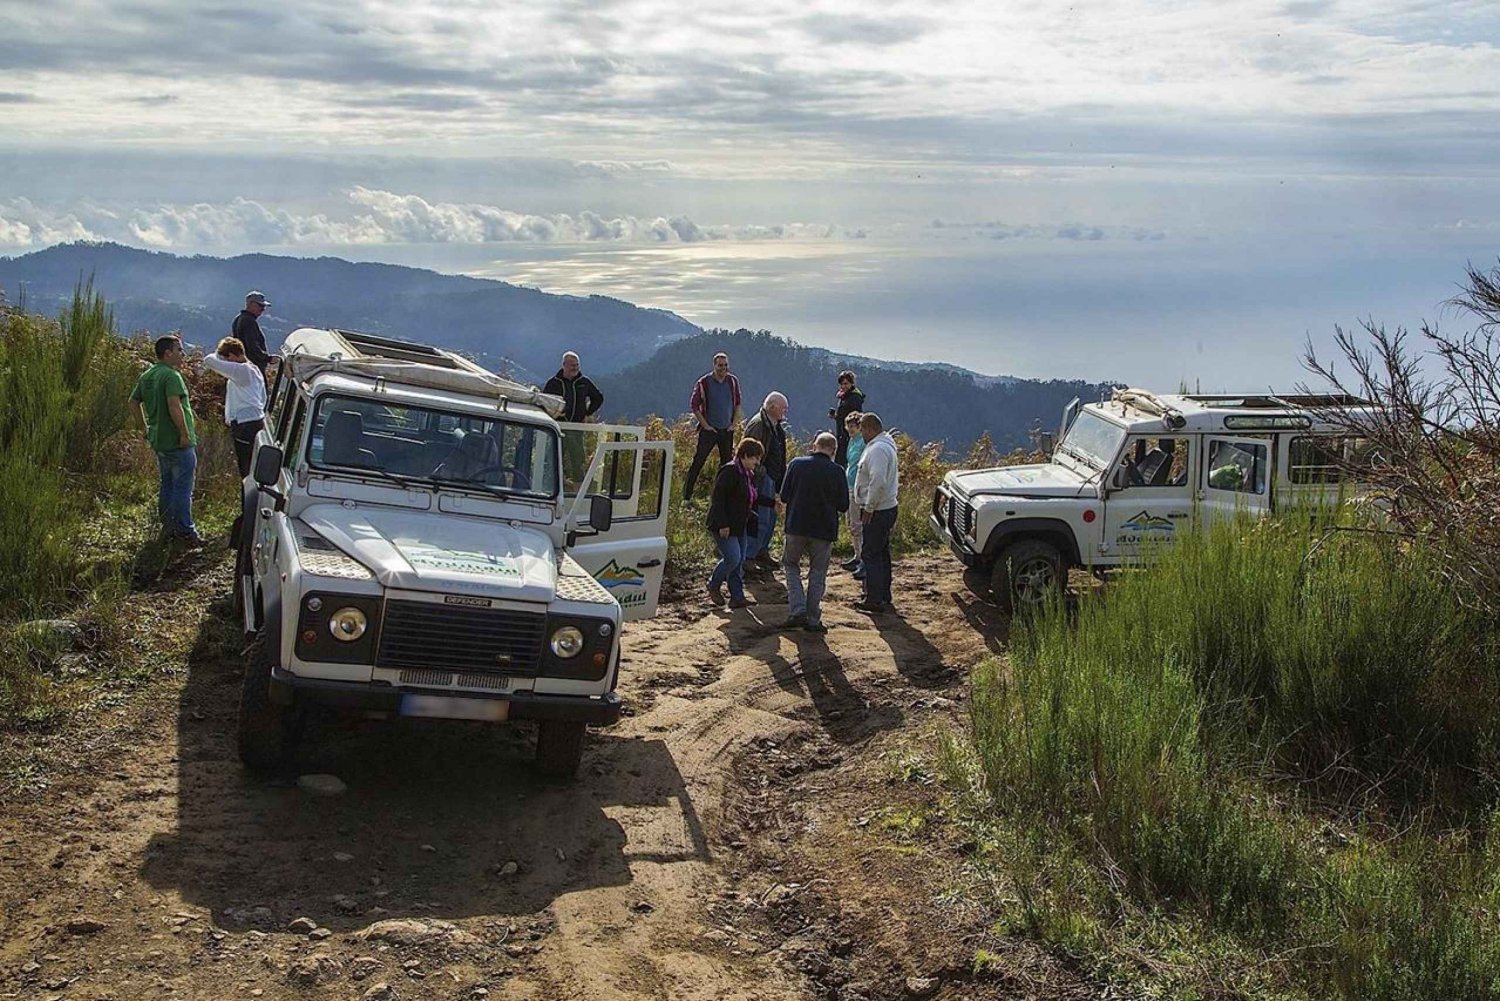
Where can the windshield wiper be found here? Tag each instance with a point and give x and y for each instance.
(386, 474)
(493, 489)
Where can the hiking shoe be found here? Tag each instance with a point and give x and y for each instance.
(851, 565)
(744, 602)
(860, 573)
(765, 559)
(716, 595)
(873, 607)
(815, 627)
(795, 622)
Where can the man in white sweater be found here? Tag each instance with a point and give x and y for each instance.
(244, 398)
(877, 486)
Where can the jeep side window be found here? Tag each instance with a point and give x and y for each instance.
(1154, 462)
(293, 428)
(1325, 459)
(1237, 466)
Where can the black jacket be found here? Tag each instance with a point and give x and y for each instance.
(246, 329)
(816, 494)
(729, 505)
(581, 398)
(771, 434)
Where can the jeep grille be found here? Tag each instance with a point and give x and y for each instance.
(420, 634)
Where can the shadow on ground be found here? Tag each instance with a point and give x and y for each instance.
(433, 814)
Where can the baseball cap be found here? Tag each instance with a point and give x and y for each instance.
(259, 297)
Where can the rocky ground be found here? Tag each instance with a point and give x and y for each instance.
(758, 827)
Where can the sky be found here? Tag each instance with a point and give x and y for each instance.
(1152, 191)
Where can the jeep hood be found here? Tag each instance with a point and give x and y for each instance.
(1047, 479)
(427, 551)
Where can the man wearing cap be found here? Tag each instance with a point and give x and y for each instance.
(246, 330)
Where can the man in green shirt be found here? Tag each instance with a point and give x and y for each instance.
(161, 401)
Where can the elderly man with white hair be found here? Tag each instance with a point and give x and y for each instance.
(816, 494)
(581, 400)
(769, 428)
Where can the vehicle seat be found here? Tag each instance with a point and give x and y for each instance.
(343, 440)
(1155, 468)
(473, 453)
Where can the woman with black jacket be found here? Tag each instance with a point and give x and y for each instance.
(851, 400)
(732, 519)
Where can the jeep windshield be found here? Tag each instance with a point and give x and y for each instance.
(1093, 440)
(432, 447)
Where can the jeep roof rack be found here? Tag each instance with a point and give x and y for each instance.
(308, 351)
(1277, 401)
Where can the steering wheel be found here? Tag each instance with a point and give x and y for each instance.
(518, 479)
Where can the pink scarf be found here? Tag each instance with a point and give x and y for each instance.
(749, 481)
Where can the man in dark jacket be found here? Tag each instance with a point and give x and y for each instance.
(816, 495)
(769, 428)
(246, 330)
(581, 400)
(851, 400)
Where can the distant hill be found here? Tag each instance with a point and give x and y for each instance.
(645, 359)
(502, 325)
(929, 402)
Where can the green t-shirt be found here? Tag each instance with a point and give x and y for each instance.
(153, 389)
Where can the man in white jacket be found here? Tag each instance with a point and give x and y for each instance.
(244, 398)
(877, 486)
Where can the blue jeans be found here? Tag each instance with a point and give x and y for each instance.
(876, 555)
(174, 500)
(817, 551)
(765, 520)
(731, 566)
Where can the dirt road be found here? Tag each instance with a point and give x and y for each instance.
(716, 845)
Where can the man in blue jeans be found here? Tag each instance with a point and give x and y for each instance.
(816, 494)
(161, 402)
(877, 486)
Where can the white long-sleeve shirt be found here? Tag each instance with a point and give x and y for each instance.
(878, 479)
(245, 394)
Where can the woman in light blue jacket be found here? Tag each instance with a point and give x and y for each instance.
(856, 527)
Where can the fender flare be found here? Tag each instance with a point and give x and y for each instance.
(1053, 530)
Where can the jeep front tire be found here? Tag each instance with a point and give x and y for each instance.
(1027, 575)
(268, 733)
(559, 747)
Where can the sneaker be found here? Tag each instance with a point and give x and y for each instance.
(189, 540)
(851, 565)
(815, 627)
(859, 574)
(795, 622)
(873, 607)
(744, 602)
(716, 595)
(765, 559)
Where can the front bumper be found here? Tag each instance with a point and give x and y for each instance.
(290, 689)
(960, 548)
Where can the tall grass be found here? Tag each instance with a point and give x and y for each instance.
(1189, 733)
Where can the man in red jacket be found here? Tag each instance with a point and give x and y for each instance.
(716, 404)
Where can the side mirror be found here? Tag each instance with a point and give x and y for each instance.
(267, 469)
(1118, 478)
(601, 512)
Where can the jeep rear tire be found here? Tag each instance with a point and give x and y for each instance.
(559, 747)
(268, 733)
(1028, 575)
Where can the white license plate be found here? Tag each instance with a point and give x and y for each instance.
(447, 707)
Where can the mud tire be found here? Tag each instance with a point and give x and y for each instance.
(1028, 576)
(559, 748)
(268, 733)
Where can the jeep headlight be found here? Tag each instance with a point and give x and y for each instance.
(567, 642)
(348, 624)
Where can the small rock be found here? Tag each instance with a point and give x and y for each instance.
(302, 926)
(479, 992)
(642, 907)
(428, 848)
(346, 903)
(416, 931)
(319, 933)
(315, 970)
(364, 966)
(510, 868)
(31, 968)
(85, 926)
(515, 951)
(49, 635)
(259, 917)
(561, 855)
(380, 992)
(322, 785)
(342, 857)
(921, 987)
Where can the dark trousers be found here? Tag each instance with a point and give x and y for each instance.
(708, 440)
(842, 455)
(243, 433)
(875, 552)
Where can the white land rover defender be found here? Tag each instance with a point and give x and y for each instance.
(1133, 472)
(414, 543)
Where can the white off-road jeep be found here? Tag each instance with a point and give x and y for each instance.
(1130, 474)
(414, 544)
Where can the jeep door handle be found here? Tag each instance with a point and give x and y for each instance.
(648, 564)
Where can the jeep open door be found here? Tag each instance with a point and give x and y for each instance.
(630, 557)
